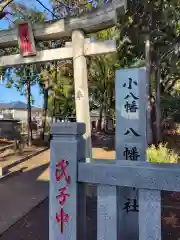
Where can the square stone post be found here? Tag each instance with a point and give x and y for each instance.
(66, 149)
(131, 144)
(81, 87)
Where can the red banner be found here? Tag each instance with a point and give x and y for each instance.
(26, 43)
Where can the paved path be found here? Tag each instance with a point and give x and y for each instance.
(27, 186)
(34, 226)
(102, 154)
(24, 189)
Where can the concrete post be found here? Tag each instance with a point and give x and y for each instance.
(81, 87)
(65, 153)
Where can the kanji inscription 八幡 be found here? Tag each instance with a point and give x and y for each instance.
(131, 90)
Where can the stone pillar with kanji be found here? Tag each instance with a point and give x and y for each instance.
(65, 152)
(131, 141)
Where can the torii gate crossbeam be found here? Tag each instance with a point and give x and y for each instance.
(77, 28)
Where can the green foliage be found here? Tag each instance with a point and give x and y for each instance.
(170, 106)
(101, 76)
(101, 82)
(18, 78)
(161, 154)
(160, 20)
(63, 90)
(77, 7)
(21, 12)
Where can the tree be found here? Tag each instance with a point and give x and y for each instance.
(101, 86)
(63, 90)
(22, 78)
(159, 21)
(101, 75)
(70, 8)
(25, 77)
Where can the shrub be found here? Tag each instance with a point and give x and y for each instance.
(161, 154)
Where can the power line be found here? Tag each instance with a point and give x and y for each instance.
(46, 8)
(9, 20)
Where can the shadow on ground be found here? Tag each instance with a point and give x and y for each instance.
(16, 154)
(31, 226)
(22, 191)
(35, 225)
(104, 141)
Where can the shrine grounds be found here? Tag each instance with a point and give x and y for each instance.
(35, 223)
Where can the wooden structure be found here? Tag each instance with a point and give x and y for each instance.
(10, 129)
(77, 28)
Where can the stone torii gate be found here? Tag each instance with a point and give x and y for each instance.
(77, 50)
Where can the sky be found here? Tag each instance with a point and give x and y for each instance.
(9, 95)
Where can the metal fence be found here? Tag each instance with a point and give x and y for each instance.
(69, 174)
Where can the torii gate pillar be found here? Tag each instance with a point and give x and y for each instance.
(81, 87)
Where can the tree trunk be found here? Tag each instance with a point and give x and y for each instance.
(148, 70)
(46, 91)
(29, 121)
(157, 106)
(45, 112)
(53, 108)
(54, 97)
(153, 122)
(99, 125)
(106, 108)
